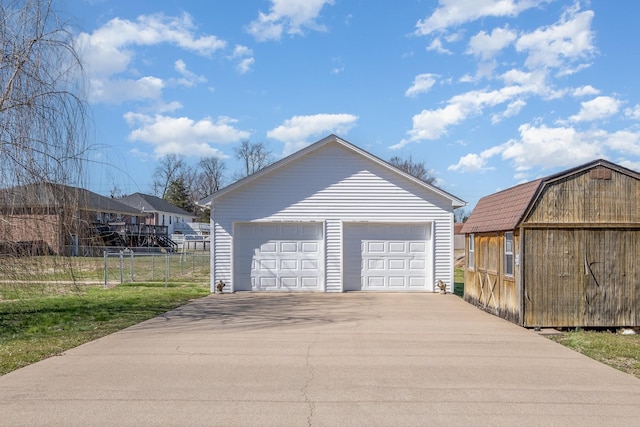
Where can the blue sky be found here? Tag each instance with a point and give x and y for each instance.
(488, 93)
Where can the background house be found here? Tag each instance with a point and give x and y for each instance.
(332, 218)
(561, 251)
(52, 218)
(157, 211)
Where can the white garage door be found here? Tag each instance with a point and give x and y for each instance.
(278, 256)
(386, 257)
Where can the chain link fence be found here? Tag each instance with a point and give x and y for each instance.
(129, 267)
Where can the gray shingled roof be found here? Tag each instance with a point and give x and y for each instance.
(46, 194)
(151, 203)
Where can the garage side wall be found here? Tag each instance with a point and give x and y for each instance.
(332, 184)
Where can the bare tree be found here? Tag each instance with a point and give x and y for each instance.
(210, 177)
(42, 112)
(460, 215)
(43, 138)
(417, 169)
(171, 167)
(255, 156)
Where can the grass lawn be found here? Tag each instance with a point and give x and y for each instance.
(39, 321)
(616, 350)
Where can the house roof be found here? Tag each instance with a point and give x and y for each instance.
(504, 210)
(52, 195)
(149, 203)
(456, 202)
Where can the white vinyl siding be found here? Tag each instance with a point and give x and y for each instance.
(334, 184)
(333, 261)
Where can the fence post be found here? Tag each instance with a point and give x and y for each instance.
(121, 268)
(153, 267)
(106, 271)
(131, 252)
(166, 269)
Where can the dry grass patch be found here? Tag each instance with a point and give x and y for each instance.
(614, 349)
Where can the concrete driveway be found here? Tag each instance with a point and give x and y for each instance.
(321, 360)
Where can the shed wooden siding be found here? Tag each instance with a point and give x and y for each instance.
(581, 250)
(586, 200)
(332, 192)
(486, 285)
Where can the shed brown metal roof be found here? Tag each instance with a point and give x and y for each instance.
(503, 210)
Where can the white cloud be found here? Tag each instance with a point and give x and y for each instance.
(633, 113)
(244, 57)
(421, 84)
(561, 44)
(188, 79)
(554, 147)
(432, 124)
(109, 51)
(452, 13)
(436, 45)
(513, 109)
(182, 135)
(115, 91)
(585, 91)
(470, 163)
(287, 16)
(630, 165)
(296, 131)
(476, 162)
(623, 141)
(550, 147)
(486, 46)
(598, 108)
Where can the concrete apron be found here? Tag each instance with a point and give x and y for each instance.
(320, 360)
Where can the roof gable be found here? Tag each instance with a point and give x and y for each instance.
(504, 210)
(456, 202)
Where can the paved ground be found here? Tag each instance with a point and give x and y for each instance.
(321, 360)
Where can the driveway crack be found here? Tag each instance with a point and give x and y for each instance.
(305, 389)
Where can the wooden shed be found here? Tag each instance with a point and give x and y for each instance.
(561, 251)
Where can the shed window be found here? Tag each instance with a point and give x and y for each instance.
(508, 254)
(471, 251)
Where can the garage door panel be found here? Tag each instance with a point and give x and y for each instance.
(386, 256)
(417, 247)
(309, 247)
(283, 256)
(417, 264)
(397, 282)
(309, 264)
(397, 247)
(397, 264)
(417, 282)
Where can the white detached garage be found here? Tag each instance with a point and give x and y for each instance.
(331, 218)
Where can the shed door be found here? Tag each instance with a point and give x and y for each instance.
(278, 257)
(386, 257)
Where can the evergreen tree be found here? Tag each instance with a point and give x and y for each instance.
(177, 194)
